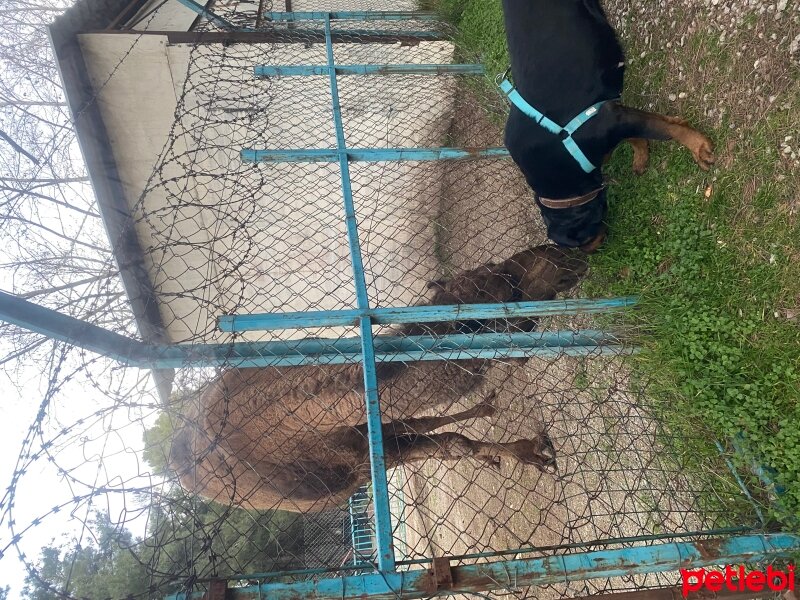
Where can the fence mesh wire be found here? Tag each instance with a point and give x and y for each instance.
(276, 452)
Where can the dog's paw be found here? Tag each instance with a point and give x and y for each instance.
(703, 151)
(493, 462)
(539, 452)
(640, 164)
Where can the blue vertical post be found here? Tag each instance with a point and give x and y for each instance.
(380, 486)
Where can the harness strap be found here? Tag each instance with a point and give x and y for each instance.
(517, 100)
(578, 154)
(570, 202)
(572, 127)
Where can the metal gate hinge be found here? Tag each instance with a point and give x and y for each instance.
(442, 574)
(217, 589)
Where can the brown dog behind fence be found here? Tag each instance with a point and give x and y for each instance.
(294, 438)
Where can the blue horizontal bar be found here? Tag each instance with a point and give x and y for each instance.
(342, 35)
(485, 577)
(419, 314)
(392, 69)
(433, 36)
(387, 349)
(370, 154)
(64, 328)
(410, 356)
(515, 552)
(283, 71)
(372, 15)
(315, 351)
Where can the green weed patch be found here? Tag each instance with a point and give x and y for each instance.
(714, 259)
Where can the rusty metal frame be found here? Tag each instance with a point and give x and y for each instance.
(443, 579)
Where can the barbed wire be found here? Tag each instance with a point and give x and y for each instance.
(248, 471)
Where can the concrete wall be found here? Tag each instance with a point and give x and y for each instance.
(222, 236)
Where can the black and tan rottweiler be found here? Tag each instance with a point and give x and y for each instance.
(568, 69)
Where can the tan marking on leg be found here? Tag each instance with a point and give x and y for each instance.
(698, 144)
(641, 154)
(675, 120)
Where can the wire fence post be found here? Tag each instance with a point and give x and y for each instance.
(380, 487)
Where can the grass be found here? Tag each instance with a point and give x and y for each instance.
(480, 29)
(713, 257)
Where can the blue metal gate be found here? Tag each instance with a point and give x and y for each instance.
(382, 575)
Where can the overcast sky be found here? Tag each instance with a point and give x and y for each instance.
(101, 447)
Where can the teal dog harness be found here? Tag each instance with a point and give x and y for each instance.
(517, 100)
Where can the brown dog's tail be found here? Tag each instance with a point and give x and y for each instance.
(538, 273)
(542, 272)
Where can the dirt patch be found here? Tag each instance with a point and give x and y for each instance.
(731, 67)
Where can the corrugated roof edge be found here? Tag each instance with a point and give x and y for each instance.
(94, 15)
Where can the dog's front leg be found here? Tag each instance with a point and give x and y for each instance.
(641, 154)
(634, 123)
(538, 451)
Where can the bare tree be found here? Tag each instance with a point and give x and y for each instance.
(55, 250)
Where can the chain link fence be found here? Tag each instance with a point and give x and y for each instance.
(246, 472)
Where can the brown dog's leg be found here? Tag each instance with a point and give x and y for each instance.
(452, 446)
(634, 123)
(423, 425)
(641, 154)
(427, 424)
